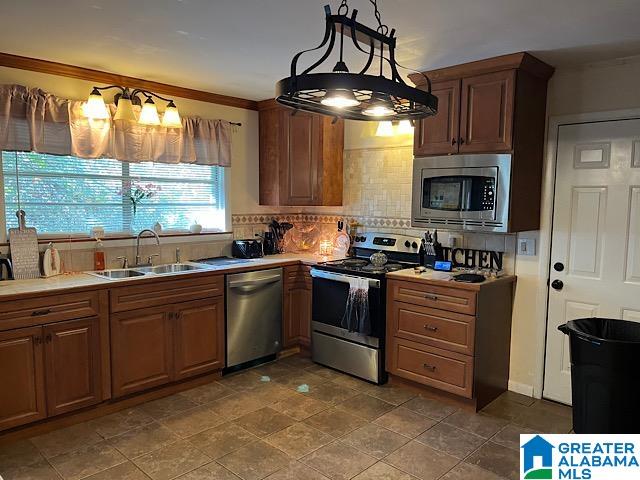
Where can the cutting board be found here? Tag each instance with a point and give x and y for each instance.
(23, 242)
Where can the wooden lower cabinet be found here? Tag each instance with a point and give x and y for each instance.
(141, 350)
(72, 365)
(199, 337)
(450, 337)
(22, 387)
(296, 311)
(158, 345)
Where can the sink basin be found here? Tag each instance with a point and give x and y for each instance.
(171, 268)
(117, 274)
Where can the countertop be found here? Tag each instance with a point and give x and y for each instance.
(436, 278)
(71, 281)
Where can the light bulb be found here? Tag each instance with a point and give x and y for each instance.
(125, 110)
(171, 117)
(149, 113)
(340, 99)
(380, 106)
(95, 107)
(385, 129)
(405, 128)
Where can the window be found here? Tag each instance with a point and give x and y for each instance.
(63, 194)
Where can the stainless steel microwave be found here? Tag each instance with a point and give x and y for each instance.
(462, 192)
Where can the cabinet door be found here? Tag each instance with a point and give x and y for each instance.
(141, 350)
(198, 337)
(72, 364)
(297, 314)
(438, 135)
(22, 393)
(300, 178)
(486, 118)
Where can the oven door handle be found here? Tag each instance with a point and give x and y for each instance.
(339, 277)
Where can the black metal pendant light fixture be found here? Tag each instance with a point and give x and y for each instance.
(366, 95)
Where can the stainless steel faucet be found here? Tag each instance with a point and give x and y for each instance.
(138, 264)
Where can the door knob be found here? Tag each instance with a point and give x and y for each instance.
(558, 266)
(557, 284)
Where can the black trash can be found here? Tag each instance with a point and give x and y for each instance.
(605, 375)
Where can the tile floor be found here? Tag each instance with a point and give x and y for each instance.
(243, 427)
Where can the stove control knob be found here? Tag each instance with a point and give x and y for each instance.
(414, 245)
(407, 244)
(363, 239)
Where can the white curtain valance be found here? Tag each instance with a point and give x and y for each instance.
(33, 120)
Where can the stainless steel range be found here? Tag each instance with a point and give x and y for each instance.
(357, 348)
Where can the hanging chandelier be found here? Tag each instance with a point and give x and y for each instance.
(95, 108)
(366, 95)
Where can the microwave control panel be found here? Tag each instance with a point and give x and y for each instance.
(488, 194)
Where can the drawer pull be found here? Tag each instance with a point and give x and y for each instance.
(431, 368)
(431, 328)
(39, 313)
(430, 296)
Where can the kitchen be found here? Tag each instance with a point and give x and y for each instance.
(157, 383)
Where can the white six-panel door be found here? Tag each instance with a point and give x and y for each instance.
(595, 238)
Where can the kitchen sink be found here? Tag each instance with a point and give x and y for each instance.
(171, 268)
(118, 274)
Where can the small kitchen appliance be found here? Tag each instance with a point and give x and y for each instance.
(6, 272)
(248, 248)
(354, 352)
(462, 192)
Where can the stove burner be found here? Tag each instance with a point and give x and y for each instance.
(354, 262)
(392, 267)
(373, 269)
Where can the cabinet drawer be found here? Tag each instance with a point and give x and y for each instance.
(439, 328)
(448, 371)
(49, 309)
(164, 293)
(444, 298)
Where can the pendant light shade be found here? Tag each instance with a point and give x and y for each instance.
(149, 113)
(95, 107)
(171, 117)
(380, 106)
(340, 99)
(125, 110)
(405, 127)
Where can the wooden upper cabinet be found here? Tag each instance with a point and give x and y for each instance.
(300, 179)
(22, 388)
(486, 118)
(495, 105)
(199, 337)
(439, 134)
(300, 157)
(72, 364)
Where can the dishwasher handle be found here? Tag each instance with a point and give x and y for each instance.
(256, 282)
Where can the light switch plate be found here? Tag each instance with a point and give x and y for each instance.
(455, 240)
(526, 246)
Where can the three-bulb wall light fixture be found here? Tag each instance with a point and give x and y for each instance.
(96, 109)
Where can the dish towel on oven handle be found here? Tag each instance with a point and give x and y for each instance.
(356, 313)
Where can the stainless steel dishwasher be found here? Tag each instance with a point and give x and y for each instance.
(254, 315)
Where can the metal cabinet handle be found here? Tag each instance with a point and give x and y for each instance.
(37, 340)
(431, 368)
(48, 338)
(39, 313)
(430, 296)
(453, 141)
(461, 141)
(431, 328)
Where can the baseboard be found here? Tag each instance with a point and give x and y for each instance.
(521, 388)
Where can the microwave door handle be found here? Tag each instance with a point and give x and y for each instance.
(465, 204)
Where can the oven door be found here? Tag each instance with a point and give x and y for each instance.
(329, 302)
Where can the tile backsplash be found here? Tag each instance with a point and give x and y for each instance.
(377, 195)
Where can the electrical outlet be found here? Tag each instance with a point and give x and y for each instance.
(526, 246)
(455, 240)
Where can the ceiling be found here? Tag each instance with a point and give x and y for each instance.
(242, 47)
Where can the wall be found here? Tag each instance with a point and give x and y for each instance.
(241, 177)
